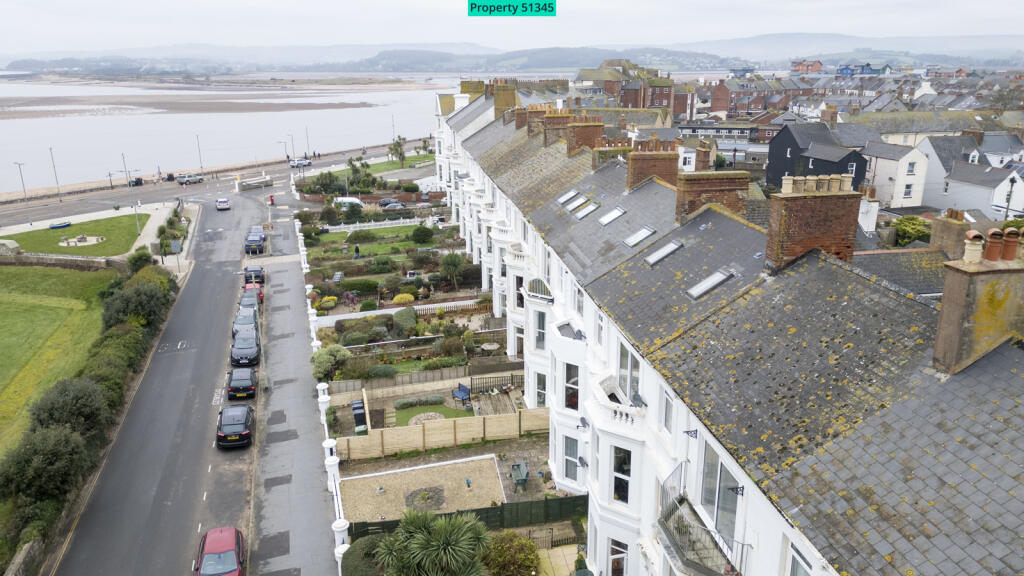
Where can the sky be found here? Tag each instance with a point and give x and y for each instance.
(30, 26)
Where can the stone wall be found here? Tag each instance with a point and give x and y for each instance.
(62, 261)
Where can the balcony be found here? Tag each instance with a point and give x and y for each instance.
(478, 197)
(500, 232)
(516, 257)
(610, 415)
(692, 548)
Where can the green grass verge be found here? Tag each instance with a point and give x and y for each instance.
(391, 165)
(402, 416)
(119, 231)
(51, 317)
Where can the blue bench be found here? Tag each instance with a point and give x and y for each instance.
(461, 393)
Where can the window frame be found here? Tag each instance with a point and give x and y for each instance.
(666, 411)
(723, 494)
(908, 191)
(570, 463)
(628, 375)
(540, 381)
(572, 387)
(621, 478)
(579, 301)
(911, 168)
(851, 169)
(539, 330)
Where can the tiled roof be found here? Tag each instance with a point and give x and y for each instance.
(855, 135)
(950, 149)
(535, 173)
(917, 271)
(826, 152)
(1000, 142)
(488, 137)
(929, 121)
(811, 132)
(470, 112)
(984, 176)
(640, 117)
(887, 151)
(599, 74)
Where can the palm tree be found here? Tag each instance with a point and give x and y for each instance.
(428, 545)
(451, 266)
(397, 149)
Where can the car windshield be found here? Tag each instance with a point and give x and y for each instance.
(249, 299)
(243, 319)
(220, 563)
(243, 342)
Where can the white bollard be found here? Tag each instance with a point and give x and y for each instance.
(330, 445)
(331, 464)
(309, 288)
(340, 528)
(338, 553)
(324, 402)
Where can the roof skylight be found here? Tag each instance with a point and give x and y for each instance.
(615, 213)
(565, 197)
(586, 210)
(575, 204)
(660, 254)
(710, 283)
(638, 236)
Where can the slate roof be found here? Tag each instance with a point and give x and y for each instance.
(638, 116)
(1000, 142)
(826, 152)
(462, 118)
(950, 149)
(977, 175)
(536, 173)
(887, 151)
(811, 132)
(663, 133)
(599, 74)
(855, 135)
(488, 137)
(927, 121)
(865, 240)
(917, 271)
(446, 102)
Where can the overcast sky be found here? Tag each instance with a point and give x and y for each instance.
(63, 25)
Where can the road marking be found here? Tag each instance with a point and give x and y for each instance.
(200, 528)
(218, 397)
(181, 344)
(210, 467)
(220, 229)
(204, 496)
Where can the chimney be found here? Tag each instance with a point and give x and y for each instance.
(504, 99)
(812, 213)
(535, 118)
(653, 158)
(555, 126)
(583, 133)
(695, 189)
(622, 122)
(978, 135)
(948, 233)
(830, 116)
(982, 299)
(520, 114)
(702, 160)
(607, 148)
(461, 101)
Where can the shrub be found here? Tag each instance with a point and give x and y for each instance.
(470, 275)
(411, 187)
(328, 303)
(382, 371)
(409, 289)
(379, 334)
(156, 276)
(46, 463)
(110, 370)
(361, 237)
(367, 305)
(431, 400)
(327, 336)
(329, 214)
(444, 362)
(468, 339)
(327, 361)
(1017, 223)
(77, 403)
(484, 299)
(421, 235)
(130, 339)
(145, 303)
(309, 233)
(353, 212)
(361, 285)
(581, 562)
(512, 555)
(405, 319)
(391, 284)
(403, 299)
(305, 217)
(452, 346)
(139, 259)
(355, 338)
(359, 559)
(911, 228)
(424, 258)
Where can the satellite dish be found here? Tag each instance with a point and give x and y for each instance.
(583, 424)
(582, 462)
(637, 401)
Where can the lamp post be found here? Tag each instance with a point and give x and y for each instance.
(1009, 196)
(128, 181)
(110, 178)
(200, 150)
(292, 137)
(285, 144)
(24, 193)
(55, 179)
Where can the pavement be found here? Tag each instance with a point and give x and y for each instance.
(559, 561)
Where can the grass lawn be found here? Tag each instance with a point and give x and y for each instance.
(51, 317)
(402, 416)
(391, 165)
(119, 231)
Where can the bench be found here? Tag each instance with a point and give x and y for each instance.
(519, 475)
(461, 393)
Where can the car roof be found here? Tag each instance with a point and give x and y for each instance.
(241, 373)
(234, 413)
(252, 286)
(222, 199)
(254, 268)
(220, 540)
(246, 312)
(253, 236)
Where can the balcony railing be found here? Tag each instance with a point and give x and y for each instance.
(500, 232)
(692, 548)
(615, 414)
(515, 256)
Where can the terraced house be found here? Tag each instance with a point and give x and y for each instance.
(739, 399)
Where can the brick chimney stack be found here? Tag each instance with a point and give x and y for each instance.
(653, 158)
(535, 118)
(702, 159)
(978, 135)
(812, 212)
(520, 118)
(583, 132)
(555, 125)
(982, 299)
(504, 98)
(830, 116)
(727, 188)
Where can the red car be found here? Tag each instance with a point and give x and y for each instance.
(257, 288)
(221, 553)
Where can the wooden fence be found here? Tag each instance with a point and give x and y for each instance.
(507, 515)
(484, 384)
(442, 434)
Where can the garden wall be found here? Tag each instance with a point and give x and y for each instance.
(479, 366)
(443, 433)
(62, 261)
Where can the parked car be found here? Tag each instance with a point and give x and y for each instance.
(300, 162)
(245, 351)
(184, 179)
(249, 299)
(242, 383)
(256, 287)
(385, 201)
(254, 274)
(137, 181)
(244, 317)
(347, 201)
(423, 204)
(258, 230)
(221, 552)
(394, 206)
(234, 428)
(254, 244)
(223, 204)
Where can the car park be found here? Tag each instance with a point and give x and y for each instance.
(254, 244)
(385, 201)
(245, 350)
(234, 427)
(254, 274)
(184, 179)
(221, 553)
(242, 383)
(394, 206)
(300, 162)
(223, 204)
(244, 317)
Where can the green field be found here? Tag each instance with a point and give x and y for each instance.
(119, 231)
(51, 316)
(402, 416)
(391, 165)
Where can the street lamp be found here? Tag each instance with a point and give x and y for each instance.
(127, 179)
(55, 179)
(110, 178)
(24, 193)
(200, 155)
(1009, 195)
(285, 144)
(293, 144)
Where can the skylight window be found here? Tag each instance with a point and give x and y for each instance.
(660, 254)
(565, 197)
(708, 284)
(575, 204)
(588, 209)
(609, 217)
(638, 236)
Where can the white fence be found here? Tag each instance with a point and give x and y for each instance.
(373, 225)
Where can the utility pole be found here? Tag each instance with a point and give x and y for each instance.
(55, 179)
(392, 127)
(293, 144)
(1009, 196)
(127, 179)
(307, 140)
(110, 178)
(200, 155)
(24, 193)
(285, 144)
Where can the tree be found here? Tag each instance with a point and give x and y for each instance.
(139, 259)
(328, 360)
(329, 215)
(512, 555)
(422, 235)
(145, 303)
(425, 545)
(911, 228)
(451, 266)
(325, 183)
(720, 161)
(397, 150)
(353, 212)
(46, 464)
(79, 404)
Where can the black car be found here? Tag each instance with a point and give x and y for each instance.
(242, 383)
(254, 244)
(385, 201)
(250, 299)
(234, 425)
(258, 230)
(245, 318)
(245, 350)
(254, 274)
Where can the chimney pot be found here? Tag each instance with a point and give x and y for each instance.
(1011, 243)
(994, 246)
(973, 245)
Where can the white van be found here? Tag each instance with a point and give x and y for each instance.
(346, 201)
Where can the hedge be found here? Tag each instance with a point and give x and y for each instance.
(361, 237)
(431, 400)
(445, 362)
(405, 319)
(367, 306)
(362, 285)
(382, 371)
(355, 338)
